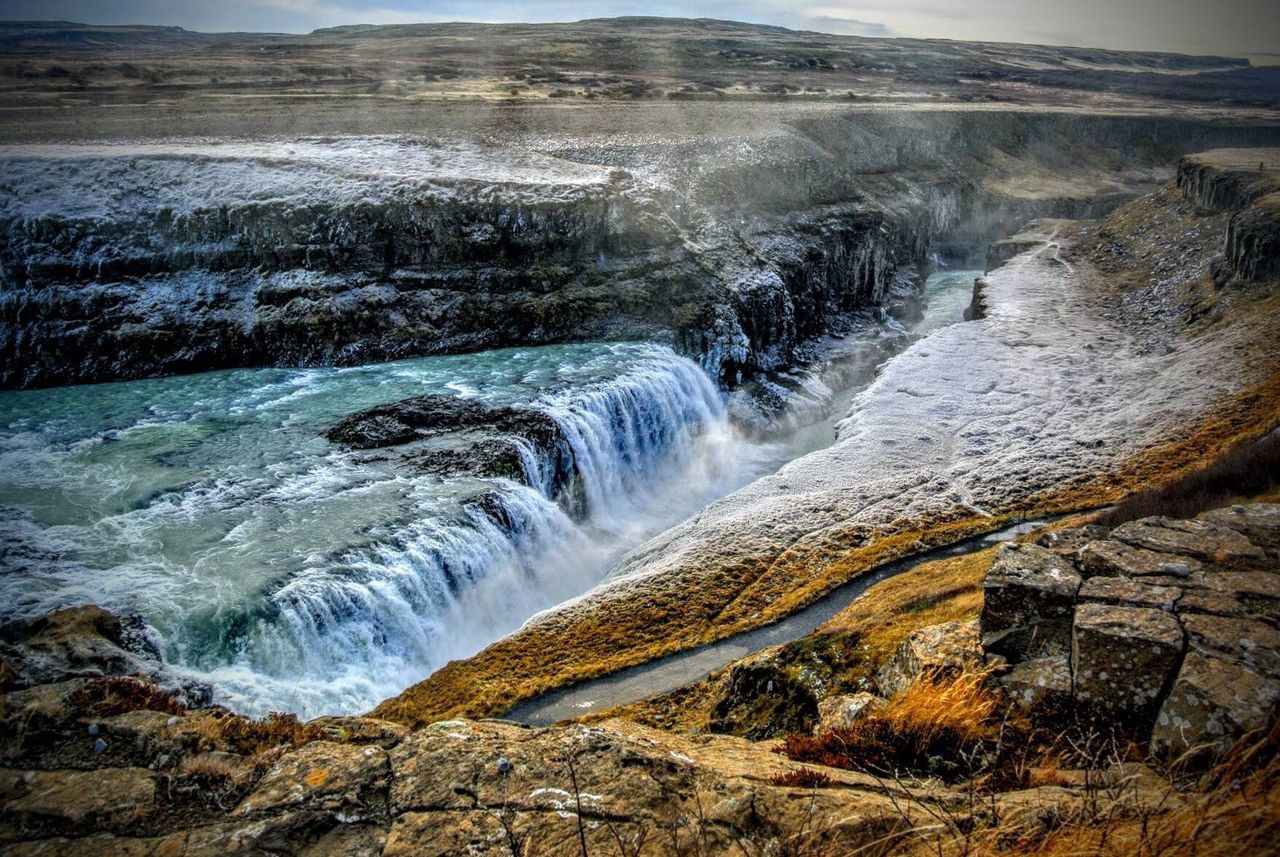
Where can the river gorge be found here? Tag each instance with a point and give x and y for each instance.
(642, 436)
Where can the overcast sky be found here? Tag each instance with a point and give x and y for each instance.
(1233, 27)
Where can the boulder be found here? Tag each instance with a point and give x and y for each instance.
(1126, 590)
(843, 710)
(426, 416)
(935, 651)
(1042, 685)
(87, 641)
(1258, 522)
(1122, 659)
(1248, 642)
(78, 802)
(1109, 558)
(1199, 539)
(322, 775)
(1069, 542)
(1212, 702)
(1028, 598)
(1210, 602)
(765, 697)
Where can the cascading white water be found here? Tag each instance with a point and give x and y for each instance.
(296, 575)
(372, 575)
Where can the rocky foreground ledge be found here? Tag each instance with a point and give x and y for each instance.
(1158, 628)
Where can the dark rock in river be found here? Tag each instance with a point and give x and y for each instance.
(454, 437)
(427, 416)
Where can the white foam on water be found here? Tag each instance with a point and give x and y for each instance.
(298, 576)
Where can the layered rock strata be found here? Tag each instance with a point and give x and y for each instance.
(125, 261)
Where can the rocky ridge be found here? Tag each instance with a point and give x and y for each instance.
(92, 757)
(297, 253)
(1165, 628)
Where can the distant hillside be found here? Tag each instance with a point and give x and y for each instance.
(612, 59)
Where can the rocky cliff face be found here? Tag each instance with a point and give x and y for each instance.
(125, 261)
(1245, 182)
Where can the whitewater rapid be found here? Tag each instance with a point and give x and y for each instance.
(296, 575)
(293, 574)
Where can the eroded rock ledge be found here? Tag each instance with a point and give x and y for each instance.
(1167, 629)
(1157, 615)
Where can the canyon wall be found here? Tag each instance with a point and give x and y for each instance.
(126, 261)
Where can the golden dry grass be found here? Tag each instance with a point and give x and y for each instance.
(868, 631)
(538, 658)
(1232, 811)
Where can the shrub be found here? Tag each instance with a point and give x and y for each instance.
(945, 727)
(121, 694)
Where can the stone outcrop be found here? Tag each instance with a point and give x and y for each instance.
(765, 696)
(113, 766)
(85, 642)
(841, 710)
(1163, 629)
(1245, 182)
(452, 436)
(936, 651)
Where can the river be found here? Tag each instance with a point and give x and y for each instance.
(296, 575)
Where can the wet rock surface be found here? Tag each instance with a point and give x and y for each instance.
(1171, 625)
(451, 436)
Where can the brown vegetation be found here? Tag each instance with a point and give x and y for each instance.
(802, 778)
(121, 694)
(251, 737)
(1233, 810)
(949, 727)
(1245, 470)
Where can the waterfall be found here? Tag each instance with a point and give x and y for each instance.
(346, 631)
(623, 432)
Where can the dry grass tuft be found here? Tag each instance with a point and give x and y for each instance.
(1234, 810)
(802, 778)
(254, 737)
(947, 727)
(122, 694)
